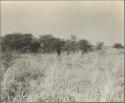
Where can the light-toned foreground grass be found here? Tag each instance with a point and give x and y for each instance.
(72, 78)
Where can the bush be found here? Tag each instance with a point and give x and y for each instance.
(118, 46)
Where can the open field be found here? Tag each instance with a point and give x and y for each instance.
(95, 77)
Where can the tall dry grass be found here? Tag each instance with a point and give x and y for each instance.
(96, 77)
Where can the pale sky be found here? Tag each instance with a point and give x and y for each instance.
(92, 20)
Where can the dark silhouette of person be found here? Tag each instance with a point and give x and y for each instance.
(84, 51)
(58, 50)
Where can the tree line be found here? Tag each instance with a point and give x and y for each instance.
(27, 43)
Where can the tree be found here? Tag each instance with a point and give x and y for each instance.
(47, 43)
(59, 44)
(34, 45)
(85, 46)
(99, 45)
(16, 41)
(50, 44)
(118, 46)
(70, 46)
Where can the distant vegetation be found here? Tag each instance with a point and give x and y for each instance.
(118, 46)
(27, 43)
(45, 44)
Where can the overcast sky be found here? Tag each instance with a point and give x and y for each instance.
(92, 20)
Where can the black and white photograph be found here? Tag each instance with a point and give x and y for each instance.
(62, 51)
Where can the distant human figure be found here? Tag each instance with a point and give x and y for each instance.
(59, 47)
(84, 51)
(58, 50)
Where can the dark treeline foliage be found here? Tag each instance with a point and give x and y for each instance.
(27, 43)
(49, 44)
(16, 41)
(118, 46)
(46, 43)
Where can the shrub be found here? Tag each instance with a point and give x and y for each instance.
(118, 46)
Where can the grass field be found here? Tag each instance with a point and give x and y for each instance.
(95, 77)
